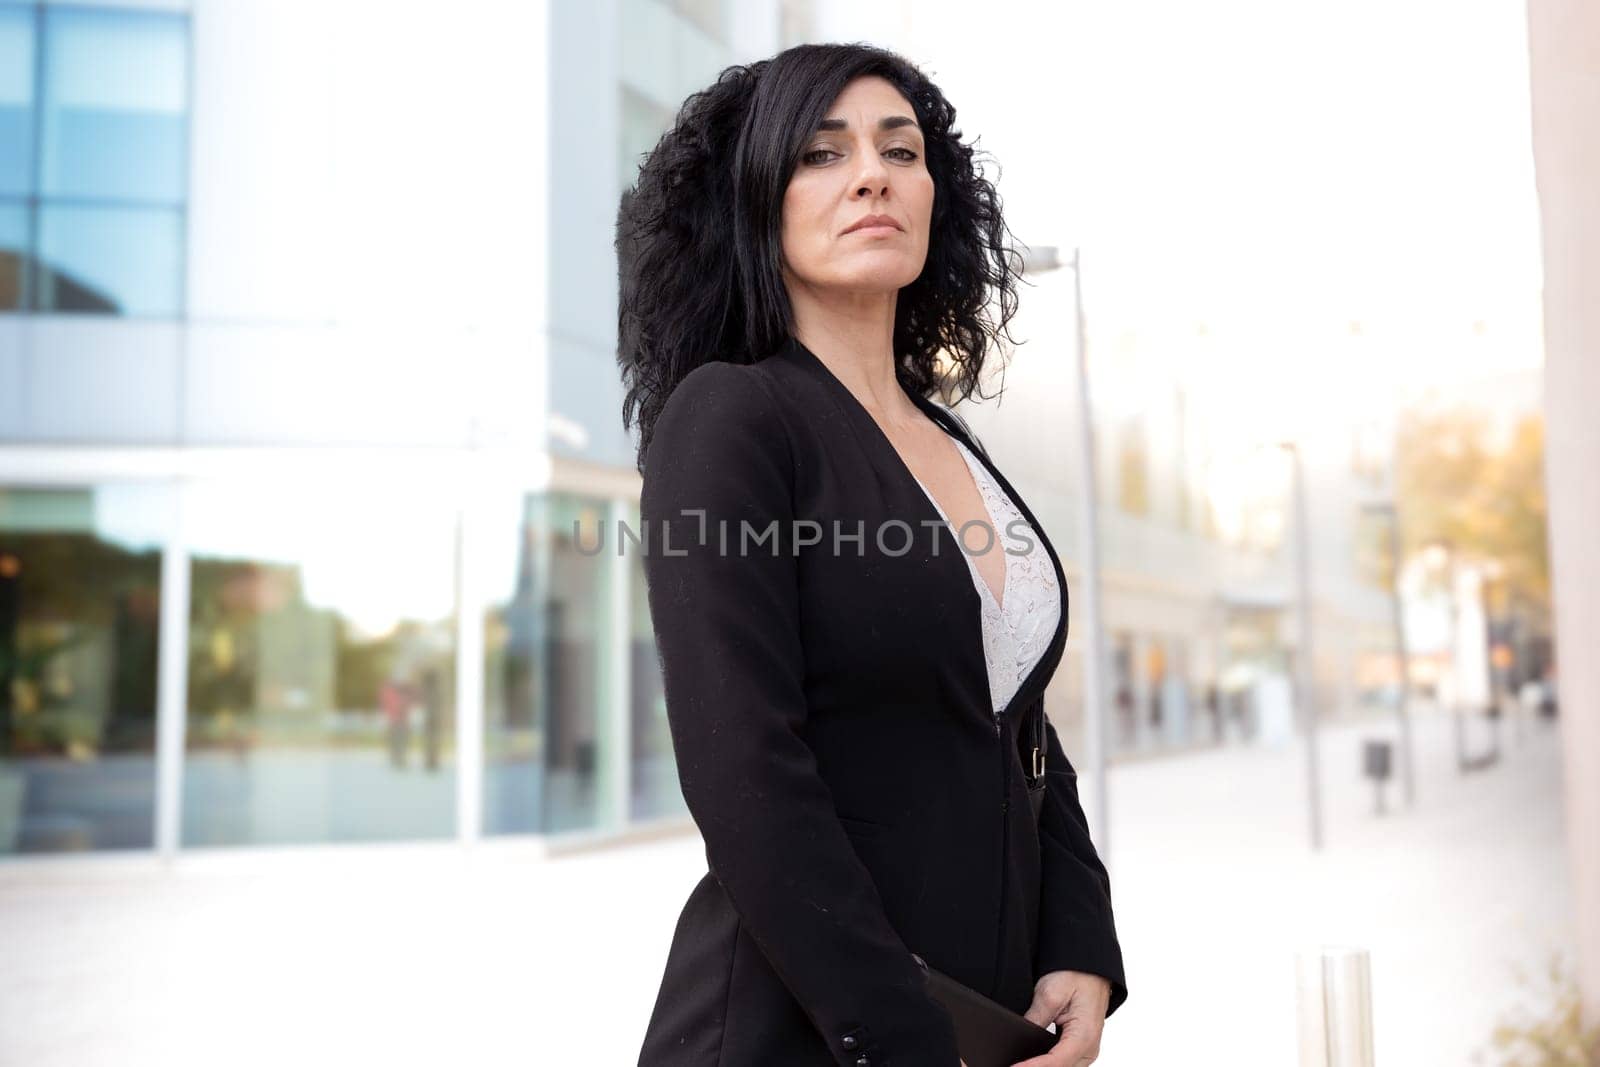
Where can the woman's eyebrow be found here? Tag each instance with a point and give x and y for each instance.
(891, 122)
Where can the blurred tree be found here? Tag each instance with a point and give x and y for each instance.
(1133, 482)
(1457, 483)
(1546, 1027)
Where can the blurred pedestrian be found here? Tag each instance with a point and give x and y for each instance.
(395, 702)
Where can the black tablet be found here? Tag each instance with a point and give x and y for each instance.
(988, 1034)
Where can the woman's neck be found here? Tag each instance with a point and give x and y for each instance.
(853, 336)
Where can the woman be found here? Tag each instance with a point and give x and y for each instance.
(845, 683)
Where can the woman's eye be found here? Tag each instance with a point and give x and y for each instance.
(811, 157)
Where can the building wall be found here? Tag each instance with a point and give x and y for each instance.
(362, 255)
(1566, 142)
(622, 72)
(323, 508)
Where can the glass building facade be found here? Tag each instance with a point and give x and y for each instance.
(287, 555)
(311, 638)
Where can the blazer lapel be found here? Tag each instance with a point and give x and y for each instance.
(1039, 676)
(872, 439)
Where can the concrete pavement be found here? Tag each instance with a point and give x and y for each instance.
(432, 954)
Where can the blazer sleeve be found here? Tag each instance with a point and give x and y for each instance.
(1077, 931)
(727, 625)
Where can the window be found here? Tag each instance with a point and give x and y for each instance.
(93, 160)
(548, 657)
(711, 16)
(80, 607)
(653, 782)
(17, 39)
(13, 240)
(643, 123)
(321, 665)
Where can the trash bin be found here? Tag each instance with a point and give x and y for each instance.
(1377, 763)
(1377, 757)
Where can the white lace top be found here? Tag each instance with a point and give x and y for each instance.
(1018, 629)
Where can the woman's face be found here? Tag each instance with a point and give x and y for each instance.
(865, 159)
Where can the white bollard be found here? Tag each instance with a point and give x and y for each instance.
(1335, 1007)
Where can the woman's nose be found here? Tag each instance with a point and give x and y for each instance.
(873, 175)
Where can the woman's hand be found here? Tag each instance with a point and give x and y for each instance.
(1076, 1003)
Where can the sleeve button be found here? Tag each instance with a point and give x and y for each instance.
(849, 1042)
(863, 1062)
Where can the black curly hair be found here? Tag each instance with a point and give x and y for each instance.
(697, 286)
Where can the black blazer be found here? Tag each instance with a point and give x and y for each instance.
(836, 745)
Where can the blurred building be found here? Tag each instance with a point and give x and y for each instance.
(307, 320)
(1197, 527)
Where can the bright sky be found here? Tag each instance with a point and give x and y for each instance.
(1272, 169)
(1300, 214)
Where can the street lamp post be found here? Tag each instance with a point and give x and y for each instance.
(1444, 550)
(1307, 666)
(1094, 653)
(1402, 651)
(1497, 627)
(1038, 259)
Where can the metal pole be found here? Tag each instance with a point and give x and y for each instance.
(616, 722)
(472, 601)
(1514, 697)
(1307, 671)
(1403, 653)
(1094, 652)
(1335, 1007)
(1493, 711)
(172, 677)
(1459, 724)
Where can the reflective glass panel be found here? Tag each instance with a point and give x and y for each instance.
(115, 105)
(80, 609)
(16, 100)
(547, 661)
(126, 261)
(321, 667)
(711, 16)
(643, 123)
(13, 255)
(653, 779)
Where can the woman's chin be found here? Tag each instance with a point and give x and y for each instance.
(877, 277)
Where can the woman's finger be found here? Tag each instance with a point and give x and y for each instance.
(1042, 1011)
